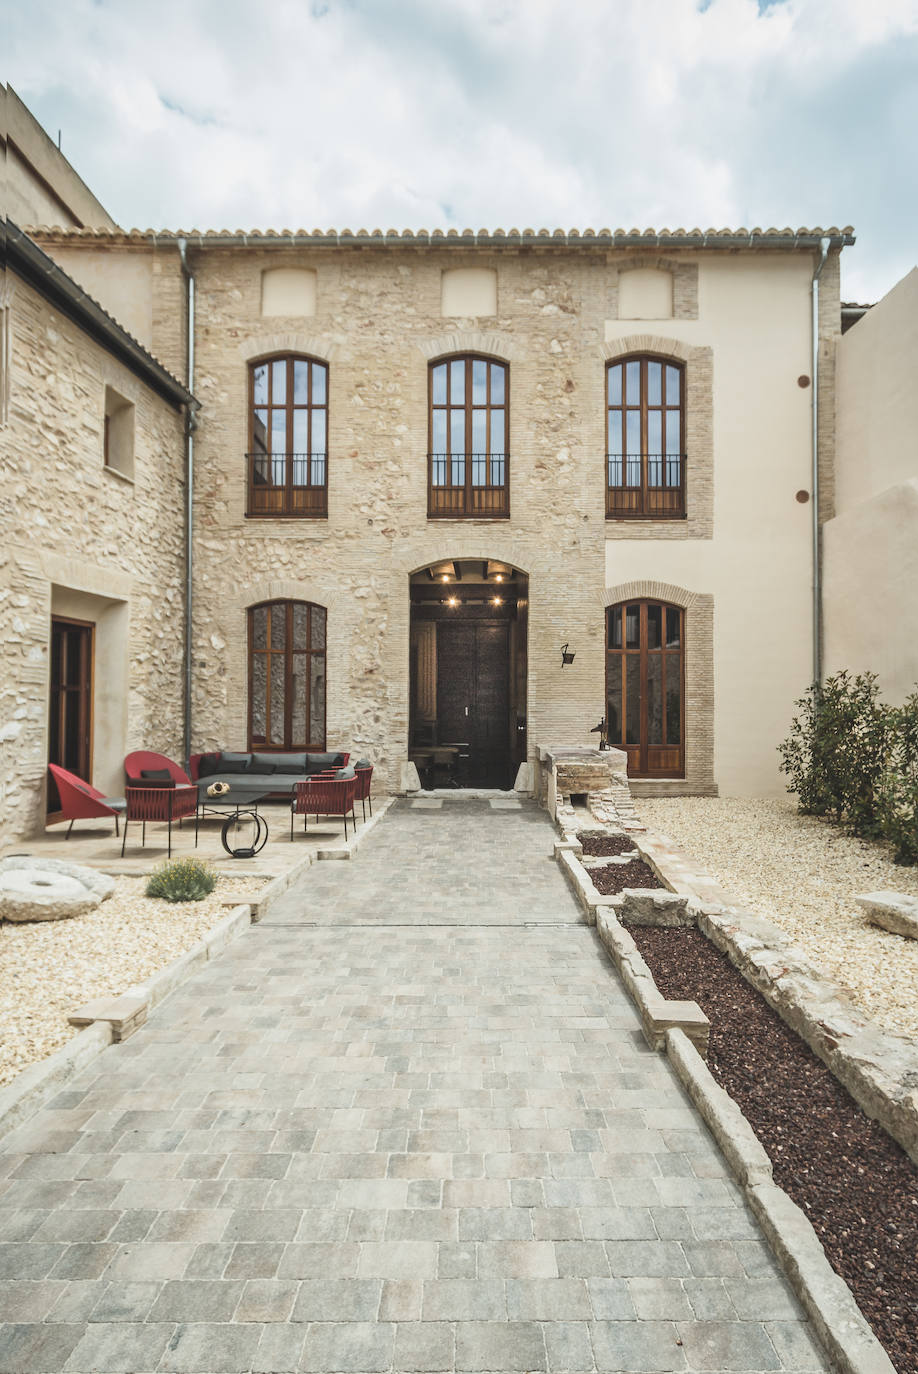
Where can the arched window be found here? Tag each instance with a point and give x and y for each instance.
(288, 437)
(468, 441)
(287, 675)
(645, 443)
(645, 698)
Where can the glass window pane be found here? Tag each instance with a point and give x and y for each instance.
(633, 699)
(479, 382)
(260, 384)
(300, 382)
(300, 625)
(673, 618)
(319, 375)
(615, 433)
(317, 700)
(276, 726)
(301, 431)
(438, 432)
(260, 432)
(260, 627)
(654, 627)
(457, 470)
(632, 626)
(259, 697)
(633, 431)
(438, 391)
(615, 627)
(672, 386)
(278, 626)
(498, 376)
(614, 702)
(672, 432)
(615, 385)
(278, 431)
(457, 381)
(654, 383)
(319, 444)
(299, 737)
(457, 431)
(318, 627)
(655, 699)
(673, 699)
(279, 382)
(633, 383)
(479, 431)
(498, 429)
(479, 470)
(654, 431)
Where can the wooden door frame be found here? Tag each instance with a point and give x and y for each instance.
(638, 754)
(87, 714)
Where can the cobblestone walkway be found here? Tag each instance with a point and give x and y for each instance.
(357, 1146)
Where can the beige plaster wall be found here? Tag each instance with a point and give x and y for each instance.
(122, 283)
(75, 535)
(753, 314)
(41, 185)
(877, 362)
(870, 581)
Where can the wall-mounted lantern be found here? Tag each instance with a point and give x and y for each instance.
(567, 655)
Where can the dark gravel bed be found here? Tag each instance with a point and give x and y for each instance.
(598, 843)
(612, 878)
(858, 1188)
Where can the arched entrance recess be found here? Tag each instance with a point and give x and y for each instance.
(467, 682)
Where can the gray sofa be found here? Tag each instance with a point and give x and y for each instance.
(277, 773)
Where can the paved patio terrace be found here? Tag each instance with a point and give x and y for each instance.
(407, 1123)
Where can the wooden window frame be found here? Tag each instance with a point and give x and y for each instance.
(288, 652)
(665, 500)
(669, 759)
(268, 499)
(468, 500)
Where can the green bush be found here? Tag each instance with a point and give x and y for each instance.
(182, 880)
(899, 789)
(851, 757)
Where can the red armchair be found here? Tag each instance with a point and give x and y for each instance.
(163, 803)
(80, 801)
(321, 796)
(364, 778)
(144, 760)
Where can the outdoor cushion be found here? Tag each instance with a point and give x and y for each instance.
(164, 784)
(208, 764)
(155, 774)
(363, 763)
(263, 763)
(315, 763)
(347, 772)
(233, 763)
(291, 764)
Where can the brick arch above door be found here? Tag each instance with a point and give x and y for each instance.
(699, 681)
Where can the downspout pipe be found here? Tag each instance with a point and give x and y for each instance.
(191, 425)
(824, 244)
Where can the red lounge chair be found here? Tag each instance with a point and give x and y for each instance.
(165, 802)
(320, 796)
(80, 801)
(364, 778)
(144, 760)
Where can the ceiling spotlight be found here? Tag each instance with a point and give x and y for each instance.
(452, 601)
(444, 577)
(496, 601)
(498, 577)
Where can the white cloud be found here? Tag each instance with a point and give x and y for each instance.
(383, 113)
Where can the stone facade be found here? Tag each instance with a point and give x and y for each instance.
(81, 540)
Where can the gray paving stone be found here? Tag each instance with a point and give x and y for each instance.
(196, 1300)
(568, 1346)
(728, 1346)
(209, 1346)
(464, 1300)
(501, 1346)
(118, 1348)
(637, 1347)
(77, 1299)
(126, 1302)
(659, 1300)
(339, 1348)
(548, 1300)
(280, 1349)
(426, 1347)
(338, 1300)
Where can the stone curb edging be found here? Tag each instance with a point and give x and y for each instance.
(36, 1085)
(826, 1298)
(658, 1015)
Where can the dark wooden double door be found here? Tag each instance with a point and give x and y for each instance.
(473, 698)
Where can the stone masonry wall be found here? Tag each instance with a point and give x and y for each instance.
(68, 522)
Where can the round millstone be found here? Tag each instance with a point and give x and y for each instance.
(49, 889)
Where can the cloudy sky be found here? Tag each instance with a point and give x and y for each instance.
(488, 113)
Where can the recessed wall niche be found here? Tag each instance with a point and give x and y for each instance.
(288, 291)
(468, 291)
(645, 294)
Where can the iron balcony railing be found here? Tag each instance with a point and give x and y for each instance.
(287, 484)
(648, 484)
(474, 484)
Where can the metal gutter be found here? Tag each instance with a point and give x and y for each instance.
(824, 246)
(191, 425)
(39, 271)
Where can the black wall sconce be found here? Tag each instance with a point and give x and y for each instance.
(567, 655)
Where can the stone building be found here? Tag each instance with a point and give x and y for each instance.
(458, 497)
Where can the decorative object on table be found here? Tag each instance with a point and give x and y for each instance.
(218, 789)
(49, 889)
(182, 880)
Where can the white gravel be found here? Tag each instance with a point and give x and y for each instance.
(803, 874)
(49, 968)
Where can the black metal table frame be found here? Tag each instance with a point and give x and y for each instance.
(232, 807)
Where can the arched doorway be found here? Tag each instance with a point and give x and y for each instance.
(645, 692)
(467, 695)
